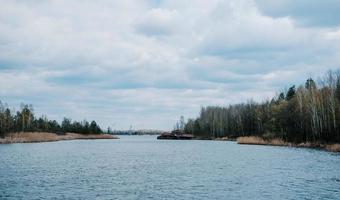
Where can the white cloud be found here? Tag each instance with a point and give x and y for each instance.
(157, 22)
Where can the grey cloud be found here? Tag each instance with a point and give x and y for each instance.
(304, 12)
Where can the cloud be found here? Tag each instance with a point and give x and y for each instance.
(157, 22)
(145, 63)
(305, 12)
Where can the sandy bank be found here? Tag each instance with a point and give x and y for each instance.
(30, 137)
(253, 140)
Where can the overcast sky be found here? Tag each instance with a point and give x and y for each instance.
(145, 63)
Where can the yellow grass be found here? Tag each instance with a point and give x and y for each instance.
(250, 140)
(260, 141)
(333, 147)
(279, 142)
(29, 137)
(72, 136)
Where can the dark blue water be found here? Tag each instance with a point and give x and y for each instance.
(141, 167)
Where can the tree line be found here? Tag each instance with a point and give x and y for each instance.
(308, 113)
(24, 120)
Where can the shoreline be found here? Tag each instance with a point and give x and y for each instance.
(254, 140)
(37, 137)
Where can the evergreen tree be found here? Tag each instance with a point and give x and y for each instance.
(290, 93)
(310, 84)
(24, 120)
(281, 97)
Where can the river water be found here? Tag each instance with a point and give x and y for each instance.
(141, 167)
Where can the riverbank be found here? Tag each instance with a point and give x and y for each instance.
(253, 140)
(222, 139)
(32, 137)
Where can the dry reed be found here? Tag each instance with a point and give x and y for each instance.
(30, 137)
(333, 147)
(253, 140)
(260, 141)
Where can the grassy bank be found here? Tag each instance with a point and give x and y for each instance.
(30, 137)
(253, 140)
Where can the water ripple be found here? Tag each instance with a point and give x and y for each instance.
(143, 168)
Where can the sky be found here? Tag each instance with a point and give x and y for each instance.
(142, 64)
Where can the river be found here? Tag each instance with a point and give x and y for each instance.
(141, 167)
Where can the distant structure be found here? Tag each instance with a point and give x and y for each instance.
(175, 135)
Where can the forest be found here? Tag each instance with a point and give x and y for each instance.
(24, 120)
(307, 113)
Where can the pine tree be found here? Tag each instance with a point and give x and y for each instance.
(290, 93)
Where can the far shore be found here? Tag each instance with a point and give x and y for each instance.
(253, 140)
(33, 137)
